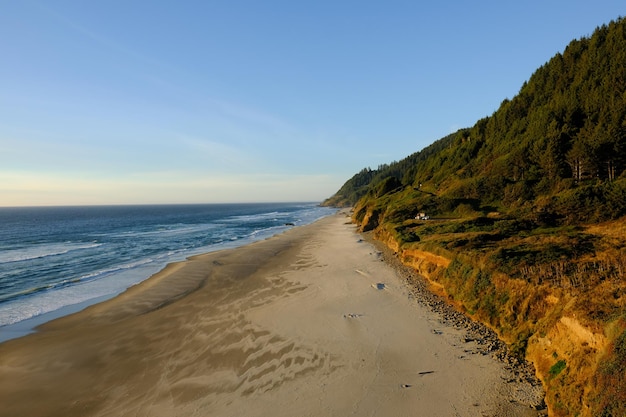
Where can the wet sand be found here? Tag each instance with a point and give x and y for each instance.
(295, 325)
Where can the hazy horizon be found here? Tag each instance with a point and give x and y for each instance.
(163, 204)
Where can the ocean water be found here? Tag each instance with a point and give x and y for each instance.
(55, 257)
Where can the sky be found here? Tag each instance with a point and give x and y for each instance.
(155, 102)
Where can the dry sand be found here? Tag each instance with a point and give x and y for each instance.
(291, 326)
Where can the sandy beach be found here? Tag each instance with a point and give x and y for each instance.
(311, 322)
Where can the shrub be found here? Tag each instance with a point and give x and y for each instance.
(557, 368)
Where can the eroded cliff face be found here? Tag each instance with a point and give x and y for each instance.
(566, 358)
(366, 218)
(536, 320)
(425, 263)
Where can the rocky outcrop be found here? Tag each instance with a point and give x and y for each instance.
(370, 221)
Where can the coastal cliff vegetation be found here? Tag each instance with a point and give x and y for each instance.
(521, 221)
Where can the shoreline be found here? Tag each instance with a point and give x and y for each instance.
(127, 278)
(30, 325)
(291, 325)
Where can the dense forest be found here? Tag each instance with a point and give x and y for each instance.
(528, 208)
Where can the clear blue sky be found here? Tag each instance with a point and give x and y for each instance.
(121, 101)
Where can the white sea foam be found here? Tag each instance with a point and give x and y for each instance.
(245, 218)
(42, 251)
(86, 288)
(108, 281)
(169, 230)
(108, 271)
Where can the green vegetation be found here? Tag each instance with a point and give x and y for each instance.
(556, 150)
(353, 189)
(528, 206)
(557, 368)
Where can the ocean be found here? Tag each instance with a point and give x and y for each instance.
(57, 260)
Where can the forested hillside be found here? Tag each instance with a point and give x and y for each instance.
(528, 208)
(559, 145)
(358, 186)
